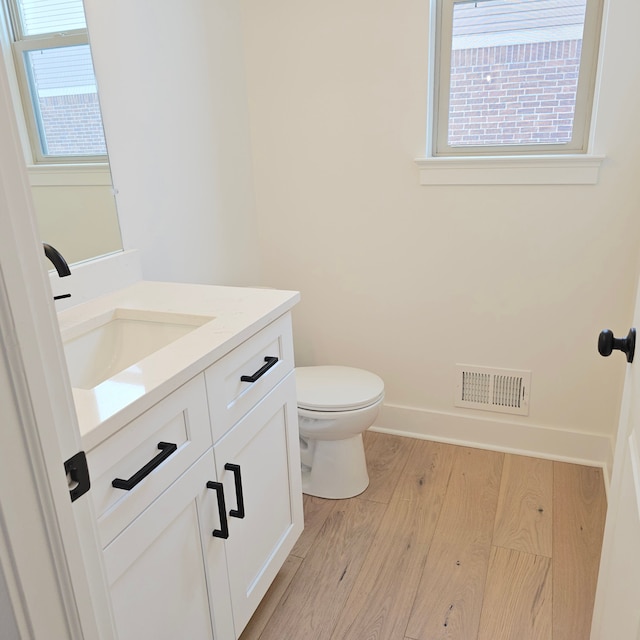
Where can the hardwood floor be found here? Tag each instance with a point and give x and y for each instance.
(446, 543)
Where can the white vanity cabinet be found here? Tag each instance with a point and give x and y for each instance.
(236, 444)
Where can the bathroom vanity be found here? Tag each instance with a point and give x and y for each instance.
(192, 450)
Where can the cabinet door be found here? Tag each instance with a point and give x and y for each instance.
(264, 445)
(156, 566)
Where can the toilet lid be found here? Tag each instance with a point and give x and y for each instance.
(333, 388)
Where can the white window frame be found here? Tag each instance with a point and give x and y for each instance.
(21, 44)
(571, 163)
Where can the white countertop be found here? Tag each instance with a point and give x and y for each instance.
(239, 313)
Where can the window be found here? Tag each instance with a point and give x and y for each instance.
(55, 73)
(514, 77)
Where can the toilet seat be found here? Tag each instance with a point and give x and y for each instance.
(336, 388)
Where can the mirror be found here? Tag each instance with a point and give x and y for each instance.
(56, 99)
(76, 211)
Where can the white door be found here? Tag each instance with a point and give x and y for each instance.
(617, 605)
(49, 560)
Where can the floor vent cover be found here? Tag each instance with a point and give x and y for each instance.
(501, 390)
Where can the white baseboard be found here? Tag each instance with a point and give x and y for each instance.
(498, 434)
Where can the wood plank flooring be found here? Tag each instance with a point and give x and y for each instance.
(446, 543)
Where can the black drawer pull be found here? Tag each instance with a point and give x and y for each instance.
(270, 362)
(223, 531)
(239, 512)
(167, 449)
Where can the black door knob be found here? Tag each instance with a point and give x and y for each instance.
(607, 343)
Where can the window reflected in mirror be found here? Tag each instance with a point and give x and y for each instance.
(58, 107)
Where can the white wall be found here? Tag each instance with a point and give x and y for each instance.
(409, 280)
(172, 92)
(403, 279)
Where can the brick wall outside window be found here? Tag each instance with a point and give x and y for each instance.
(73, 124)
(514, 94)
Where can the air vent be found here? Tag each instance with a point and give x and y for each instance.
(501, 390)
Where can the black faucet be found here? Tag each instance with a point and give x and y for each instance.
(59, 263)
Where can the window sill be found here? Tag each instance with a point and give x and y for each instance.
(566, 169)
(65, 175)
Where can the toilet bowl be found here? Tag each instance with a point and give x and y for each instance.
(335, 406)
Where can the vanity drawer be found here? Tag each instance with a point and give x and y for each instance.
(231, 397)
(181, 420)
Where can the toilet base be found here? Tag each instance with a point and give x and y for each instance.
(339, 468)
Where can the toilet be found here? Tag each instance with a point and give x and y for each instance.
(335, 406)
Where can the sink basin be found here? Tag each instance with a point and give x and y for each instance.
(112, 342)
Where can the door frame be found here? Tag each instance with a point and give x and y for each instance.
(49, 552)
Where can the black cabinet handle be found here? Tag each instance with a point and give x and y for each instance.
(167, 448)
(239, 512)
(270, 362)
(223, 531)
